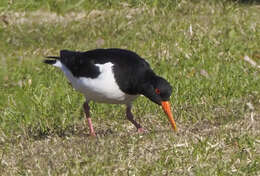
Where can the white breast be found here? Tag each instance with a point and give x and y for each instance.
(102, 88)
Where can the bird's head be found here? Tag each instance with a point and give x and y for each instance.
(159, 91)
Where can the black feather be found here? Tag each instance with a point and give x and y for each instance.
(48, 61)
(53, 57)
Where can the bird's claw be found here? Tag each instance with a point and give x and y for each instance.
(141, 130)
(93, 134)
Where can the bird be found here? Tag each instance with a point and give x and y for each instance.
(113, 76)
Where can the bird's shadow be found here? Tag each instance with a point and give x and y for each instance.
(83, 132)
(66, 133)
(71, 131)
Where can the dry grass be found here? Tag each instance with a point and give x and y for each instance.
(197, 146)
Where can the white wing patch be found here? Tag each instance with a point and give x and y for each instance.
(102, 88)
(58, 64)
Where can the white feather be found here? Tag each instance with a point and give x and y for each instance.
(57, 64)
(100, 89)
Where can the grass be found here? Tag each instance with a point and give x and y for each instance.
(198, 46)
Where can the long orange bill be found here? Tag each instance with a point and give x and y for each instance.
(167, 109)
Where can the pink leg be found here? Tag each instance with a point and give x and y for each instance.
(130, 117)
(86, 109)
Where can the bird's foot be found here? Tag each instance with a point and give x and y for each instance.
(93, 134)
(141, 130)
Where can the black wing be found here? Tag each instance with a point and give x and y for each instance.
(79, 64)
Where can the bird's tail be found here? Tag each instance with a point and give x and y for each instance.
(53, 61)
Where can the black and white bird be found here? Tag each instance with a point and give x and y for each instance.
(114, 76)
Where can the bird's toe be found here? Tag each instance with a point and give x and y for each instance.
(141, 130)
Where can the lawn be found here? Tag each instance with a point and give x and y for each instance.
(208, 50)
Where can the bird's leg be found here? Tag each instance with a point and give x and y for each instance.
(87, 112)
(130, 117)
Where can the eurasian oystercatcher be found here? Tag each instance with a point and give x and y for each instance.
(115, 76)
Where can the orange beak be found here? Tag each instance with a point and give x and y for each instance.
(167, 109)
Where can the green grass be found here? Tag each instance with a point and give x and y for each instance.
(198, 46)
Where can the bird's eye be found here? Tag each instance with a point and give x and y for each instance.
(157, 91)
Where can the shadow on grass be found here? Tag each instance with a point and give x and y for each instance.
(249, 2)
(81, 131)
(69, 131)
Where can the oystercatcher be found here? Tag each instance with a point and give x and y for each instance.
(114, 76)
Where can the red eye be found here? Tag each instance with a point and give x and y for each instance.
(157, 91)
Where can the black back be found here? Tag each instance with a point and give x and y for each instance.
(130, 70)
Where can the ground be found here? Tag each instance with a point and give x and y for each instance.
(208, 51)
